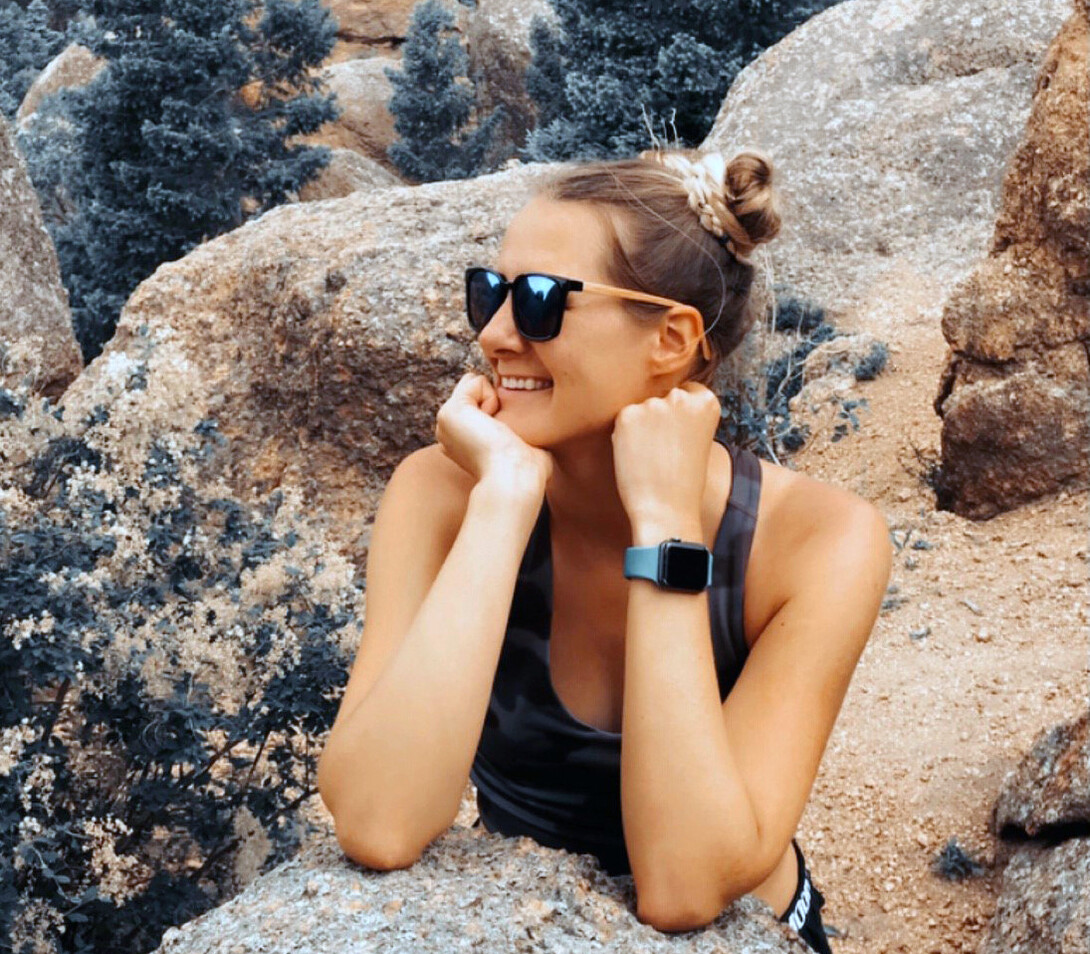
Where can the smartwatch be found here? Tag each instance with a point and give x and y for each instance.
(672, 565)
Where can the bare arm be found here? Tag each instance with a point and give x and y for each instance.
(712, 792)
(398, 756)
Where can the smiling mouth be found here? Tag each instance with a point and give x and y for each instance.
(523, 390)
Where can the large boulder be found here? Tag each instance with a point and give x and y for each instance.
(322, 336)
(890, 123)
(1050, 787)
(36, 339)
(347, 171)
(1015, 393)
(365, 124)
(470, 889)
(1044, 902)
(74, 66)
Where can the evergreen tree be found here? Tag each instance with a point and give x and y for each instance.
(434, 103)
(164, 151)
(27, 44)
(612, 60)
(545, 74)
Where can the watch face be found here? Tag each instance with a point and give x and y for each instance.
(684, 566)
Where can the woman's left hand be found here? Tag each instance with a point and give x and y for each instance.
(660, 452)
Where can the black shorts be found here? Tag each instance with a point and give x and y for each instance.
(803, 914)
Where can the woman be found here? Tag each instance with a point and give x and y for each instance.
(585, 477)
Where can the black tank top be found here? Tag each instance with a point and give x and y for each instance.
(539, 770)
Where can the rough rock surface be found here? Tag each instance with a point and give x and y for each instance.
(890, 123)
(366, 26)
(829, 382)
(36, 339)
(1015, 393)
(470, 891)
(498, 43)
(365, 124)
(347, 171)
(1044, 907)
(1044, 904)
(1051, 786)
(74, 66)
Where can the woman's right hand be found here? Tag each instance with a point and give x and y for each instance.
(469, 434)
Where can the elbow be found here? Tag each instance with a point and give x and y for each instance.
(689, 903)
(684, 908)
(676, 916)
(383, 850)
(380, 852)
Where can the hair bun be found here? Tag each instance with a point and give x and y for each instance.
(734, 200)
(751, 197)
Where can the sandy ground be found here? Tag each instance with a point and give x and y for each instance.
(931, 724)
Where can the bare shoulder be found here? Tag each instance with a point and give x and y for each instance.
(807, 520)
(802, 506)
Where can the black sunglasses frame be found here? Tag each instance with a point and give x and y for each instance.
(554, 312)
(556, 307)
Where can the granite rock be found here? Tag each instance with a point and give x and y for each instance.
(37, 344)
(469, 891)
(1015, 393)
(890, 124)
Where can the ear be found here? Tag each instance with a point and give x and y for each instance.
(677, 340)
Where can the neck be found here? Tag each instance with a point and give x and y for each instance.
(585, 508)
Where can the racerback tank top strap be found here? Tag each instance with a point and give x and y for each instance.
(726, 597)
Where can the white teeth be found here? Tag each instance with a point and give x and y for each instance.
(525, 384)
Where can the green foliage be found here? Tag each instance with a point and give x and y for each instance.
(612, 60)
(434, 103)
(27, 44)
(161, 151)
(169, 662)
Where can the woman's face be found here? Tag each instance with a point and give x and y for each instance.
(598, 362)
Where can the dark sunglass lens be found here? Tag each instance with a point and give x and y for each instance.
(484, 295)
(538, 302)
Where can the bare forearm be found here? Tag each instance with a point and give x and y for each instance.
(685, 807)
(403, 755)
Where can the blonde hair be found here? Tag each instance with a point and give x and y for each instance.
(685, 237)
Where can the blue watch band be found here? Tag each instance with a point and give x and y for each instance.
(652, 563)
(642, 562)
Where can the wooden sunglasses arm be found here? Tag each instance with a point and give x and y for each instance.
(641, 296)
(627, 293)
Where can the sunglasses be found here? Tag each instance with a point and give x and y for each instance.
(538, 300)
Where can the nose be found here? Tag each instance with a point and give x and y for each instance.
(500, 334)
